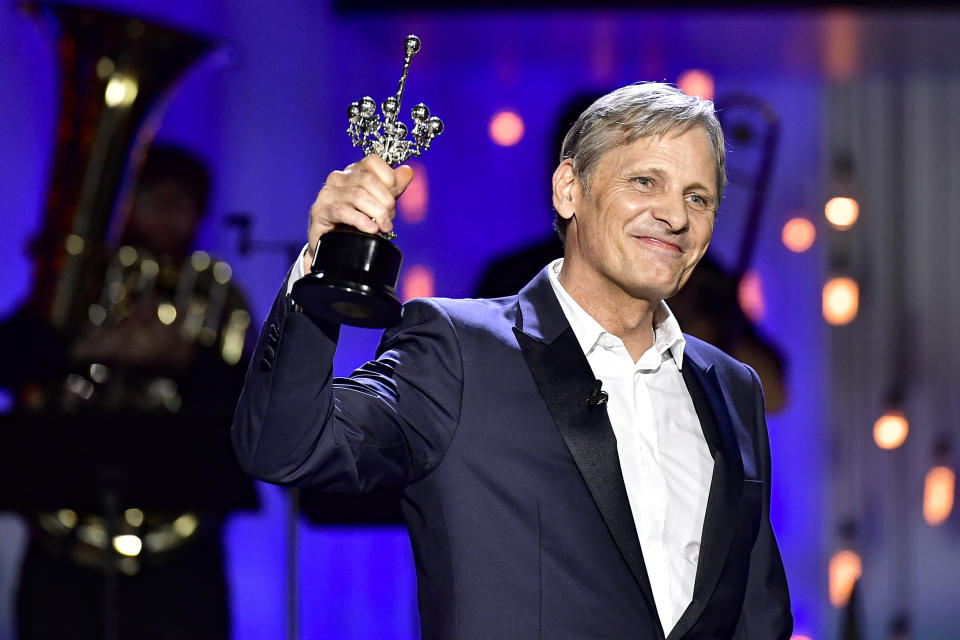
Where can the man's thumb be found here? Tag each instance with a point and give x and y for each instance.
(403, 176)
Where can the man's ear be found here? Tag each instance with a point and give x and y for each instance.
(565, 189)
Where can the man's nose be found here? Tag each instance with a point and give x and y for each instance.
(672, 211)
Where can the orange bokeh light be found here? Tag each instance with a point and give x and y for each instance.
(841, 300)
(416, 282)
(696, 82)
(412, 205)
(750, 296)
(798, 234)
(843, 42)
(938, 494)
(506, 128)
(890, 430)
(844, 571)
(842, 212)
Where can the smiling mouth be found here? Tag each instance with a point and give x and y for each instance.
(660, 245)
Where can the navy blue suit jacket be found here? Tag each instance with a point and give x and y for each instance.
(511, 483)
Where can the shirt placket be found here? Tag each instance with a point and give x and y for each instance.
(655, 487)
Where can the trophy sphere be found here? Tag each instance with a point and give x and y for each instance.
(436, 125)
(353, 111)
(399, 130)
(420, 113)
(411, 45)
(367, 107)
(390, 106)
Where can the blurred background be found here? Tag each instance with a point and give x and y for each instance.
(832, 270)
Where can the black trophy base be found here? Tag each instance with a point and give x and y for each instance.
(353, 281)
(346, 302)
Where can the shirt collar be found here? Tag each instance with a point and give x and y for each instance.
(588, 331)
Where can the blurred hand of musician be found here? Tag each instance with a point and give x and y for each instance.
(363, 195)
(139, 341)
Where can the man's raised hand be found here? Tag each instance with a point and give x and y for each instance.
(363, 196)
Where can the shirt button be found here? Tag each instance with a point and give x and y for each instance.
(608, 342)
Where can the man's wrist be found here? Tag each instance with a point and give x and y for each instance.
(300, 267)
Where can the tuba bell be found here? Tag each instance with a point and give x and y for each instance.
(114, 72)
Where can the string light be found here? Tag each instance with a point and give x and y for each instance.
(841, 300)
(842, 45)
(417, 282)
(412, 205)
(750, 296)
(696, 82)
(844, 571)
(938, 493)
(798, 234)
(842, 212)
(890, 430)
(506, 128)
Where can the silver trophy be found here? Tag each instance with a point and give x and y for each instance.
(388, 138)
(353, 278)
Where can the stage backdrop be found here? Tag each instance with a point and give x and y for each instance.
(269, 116)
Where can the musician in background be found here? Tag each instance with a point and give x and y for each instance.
(152, 363)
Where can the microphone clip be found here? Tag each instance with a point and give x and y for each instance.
(597, 396)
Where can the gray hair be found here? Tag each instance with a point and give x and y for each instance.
(633, 112)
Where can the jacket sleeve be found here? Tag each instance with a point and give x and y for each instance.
(766, 613)
(389, 423)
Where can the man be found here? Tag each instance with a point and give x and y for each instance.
(572, 465)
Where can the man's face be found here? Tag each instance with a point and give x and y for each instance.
(649, 217)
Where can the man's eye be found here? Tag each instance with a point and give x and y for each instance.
(644, 182)
(698, 200)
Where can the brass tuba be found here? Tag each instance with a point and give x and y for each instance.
(114, 70)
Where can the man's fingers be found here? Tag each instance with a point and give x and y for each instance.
(325, 216)
(362, 200)
(373, 171)
(371, 181)
(363, 196)
(358, 219)
(375, 165)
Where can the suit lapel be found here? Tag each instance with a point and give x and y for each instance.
(564, 378)
(726, 486)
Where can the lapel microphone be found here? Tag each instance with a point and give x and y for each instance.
(596, 396)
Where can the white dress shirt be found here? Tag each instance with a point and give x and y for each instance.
(664, 457)
(297, 272)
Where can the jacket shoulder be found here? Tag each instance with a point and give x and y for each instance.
(478, 323)
(472, 313)
(725, 364)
